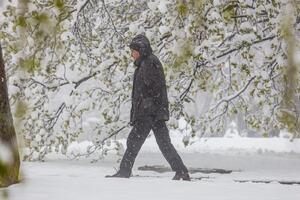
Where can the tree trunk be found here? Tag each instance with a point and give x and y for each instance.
(9, 154)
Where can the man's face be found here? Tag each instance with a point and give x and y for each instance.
(135, 54)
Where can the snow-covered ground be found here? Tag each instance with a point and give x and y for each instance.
(273, 160)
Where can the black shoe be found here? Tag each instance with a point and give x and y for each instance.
(119, 174)
(182, 175)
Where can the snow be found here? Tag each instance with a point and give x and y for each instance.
(163, 29)
(134, 27)
(233, 142)
(152, 5)
(162, 6)
(5, 153)
(252, 159)
(75, 180)
(76, 148)
(231, 131)
(227, 146)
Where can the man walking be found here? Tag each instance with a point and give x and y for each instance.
(149, 110)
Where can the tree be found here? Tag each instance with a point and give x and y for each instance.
(9, 154)
(80, 79)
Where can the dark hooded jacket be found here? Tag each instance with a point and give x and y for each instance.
(149, 93)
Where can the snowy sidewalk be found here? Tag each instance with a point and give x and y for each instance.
(76, 180)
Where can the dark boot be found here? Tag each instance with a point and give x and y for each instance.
(182, 175)
(119, 174)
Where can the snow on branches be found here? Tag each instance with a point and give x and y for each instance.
(69, 63)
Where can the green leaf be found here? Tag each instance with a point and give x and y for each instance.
(228, 12)
(21, 109)
(21, 21)
(58, 4)
(182, 9)
(29, 64)
(288, 119)
(42, 17)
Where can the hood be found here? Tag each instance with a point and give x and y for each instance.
(142, 45)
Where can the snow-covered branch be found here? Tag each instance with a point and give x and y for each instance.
(232, 97)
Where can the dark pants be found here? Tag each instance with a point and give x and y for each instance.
(137, 137)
